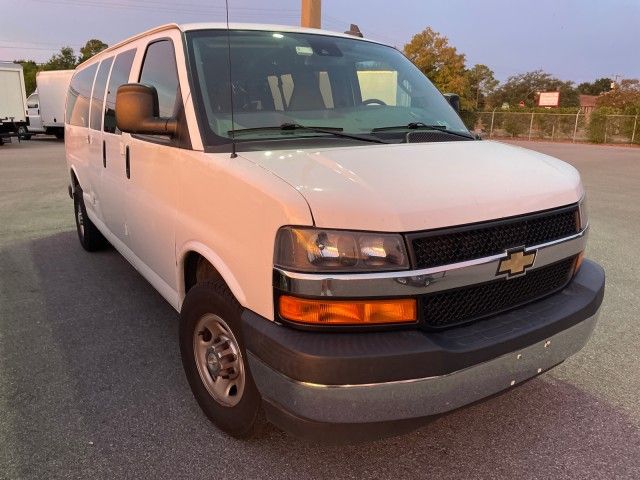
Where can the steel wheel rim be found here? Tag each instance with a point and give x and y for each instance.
(80, 219)
(219, 360)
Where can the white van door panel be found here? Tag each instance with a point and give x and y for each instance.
(151, 203)
(77, 134)
(152, 183)
(114, 187)
(94, 135)
(113, 182)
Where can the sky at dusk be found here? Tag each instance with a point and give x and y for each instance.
(577, 40)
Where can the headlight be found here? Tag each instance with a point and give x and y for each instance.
(323, 250)
(584, 214)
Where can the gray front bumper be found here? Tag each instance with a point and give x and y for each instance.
(405, 399)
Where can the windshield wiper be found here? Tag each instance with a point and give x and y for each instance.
(423, 126)
(335, 131)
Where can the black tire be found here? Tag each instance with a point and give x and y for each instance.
(90, 237)
(245, 419)
(59, 133)
(23, 133)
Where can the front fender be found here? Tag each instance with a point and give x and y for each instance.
(218, 263)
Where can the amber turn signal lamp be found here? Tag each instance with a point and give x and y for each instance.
(347, 312)
(579, 260)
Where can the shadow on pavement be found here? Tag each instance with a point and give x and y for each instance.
(92, 386)
(44, 139)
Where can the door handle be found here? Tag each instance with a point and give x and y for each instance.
(104, 154)
(127, 161)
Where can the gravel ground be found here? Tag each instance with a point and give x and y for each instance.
(91, 384)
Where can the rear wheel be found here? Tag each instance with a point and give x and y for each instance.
(59, 133)
(90, 237)
(23, 133)
(215, 361)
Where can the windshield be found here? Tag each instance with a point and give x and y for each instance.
(281, 78)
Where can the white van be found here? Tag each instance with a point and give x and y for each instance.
(347, 259)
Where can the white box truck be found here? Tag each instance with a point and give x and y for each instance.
(13, 119)
(45, 107)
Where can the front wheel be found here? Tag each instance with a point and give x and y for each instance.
(215, 360)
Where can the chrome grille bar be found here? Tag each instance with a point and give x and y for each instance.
(423, 281)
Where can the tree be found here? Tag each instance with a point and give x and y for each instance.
(525, 87)
(625, 97)
(65, 60)
(90, 48)
(597, 87)
(439, 61)
(29, 69)
(482, 83)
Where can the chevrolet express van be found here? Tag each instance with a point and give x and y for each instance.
(348, 260)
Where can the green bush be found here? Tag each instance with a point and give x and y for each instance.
(632, 122)
(598, 123)
(516, 125)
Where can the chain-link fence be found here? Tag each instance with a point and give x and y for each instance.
(574, 127)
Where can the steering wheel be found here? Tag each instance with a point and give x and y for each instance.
(373, 101)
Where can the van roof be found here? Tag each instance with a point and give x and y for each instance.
(264, 27)
(186, 27)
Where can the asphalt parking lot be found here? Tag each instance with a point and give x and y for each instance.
(91, 384)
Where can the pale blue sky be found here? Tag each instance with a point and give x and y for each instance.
(574, 39)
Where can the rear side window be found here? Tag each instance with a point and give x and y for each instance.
(79, 96)
(97, 99)
(119, 76)
(159, 70)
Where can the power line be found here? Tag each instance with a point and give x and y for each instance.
(37, 45)
(163, 7)
(51, 49)
(171, 4)
(29, 42)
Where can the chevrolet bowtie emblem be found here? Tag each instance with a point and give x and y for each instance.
(516, 262)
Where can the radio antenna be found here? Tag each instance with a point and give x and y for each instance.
(233, 123)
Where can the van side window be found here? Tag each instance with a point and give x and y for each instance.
(119, 76)
(159, 70)
(97, 98)
(79, 96)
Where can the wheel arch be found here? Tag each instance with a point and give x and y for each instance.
(75, 179)
(187, 263)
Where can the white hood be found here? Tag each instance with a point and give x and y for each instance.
(408, 187)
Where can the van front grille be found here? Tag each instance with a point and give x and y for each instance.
(444, 247)
(467, 304)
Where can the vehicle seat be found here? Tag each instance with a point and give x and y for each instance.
(306, 93)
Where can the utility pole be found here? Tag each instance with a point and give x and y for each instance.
(311, 13)
(614, 84)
